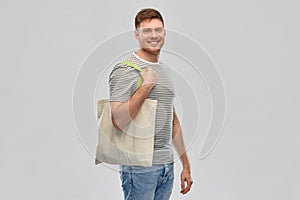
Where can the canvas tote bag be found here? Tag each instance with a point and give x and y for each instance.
(134, 144)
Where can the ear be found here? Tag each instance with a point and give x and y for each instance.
(136, 34)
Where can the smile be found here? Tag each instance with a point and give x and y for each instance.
(154, 43)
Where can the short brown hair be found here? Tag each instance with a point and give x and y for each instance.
(147, 14)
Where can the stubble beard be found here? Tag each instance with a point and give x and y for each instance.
(151, 50)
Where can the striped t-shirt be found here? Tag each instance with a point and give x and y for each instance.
(122, 84)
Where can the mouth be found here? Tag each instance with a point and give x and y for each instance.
(153, 43)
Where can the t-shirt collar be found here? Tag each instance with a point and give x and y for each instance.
(141, 59)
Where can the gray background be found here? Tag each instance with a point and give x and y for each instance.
(253, 43)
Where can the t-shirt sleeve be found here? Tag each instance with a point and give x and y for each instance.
(121, 83)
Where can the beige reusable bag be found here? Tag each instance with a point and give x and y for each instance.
(134, 144)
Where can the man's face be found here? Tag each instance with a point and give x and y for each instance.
(151, 35)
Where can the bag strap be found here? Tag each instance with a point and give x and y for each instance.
(140, 80)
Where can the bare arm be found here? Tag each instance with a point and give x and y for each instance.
(124, 112)
(186, 179)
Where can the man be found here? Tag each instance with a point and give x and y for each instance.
(156, 181)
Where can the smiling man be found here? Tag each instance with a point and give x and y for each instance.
(154, 182)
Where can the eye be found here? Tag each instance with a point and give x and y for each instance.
(159, 30)
(147, 30)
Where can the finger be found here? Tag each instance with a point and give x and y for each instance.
(183, 191)
(187, 188)
(182, 184)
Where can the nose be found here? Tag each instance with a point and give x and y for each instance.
(153, 34)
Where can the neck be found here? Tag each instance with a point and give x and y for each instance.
(150, 57)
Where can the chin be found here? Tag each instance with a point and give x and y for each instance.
(152, 50)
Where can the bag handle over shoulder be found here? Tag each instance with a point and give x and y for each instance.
(138, 84)
(140, 80)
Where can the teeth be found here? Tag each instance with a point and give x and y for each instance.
(153, 42)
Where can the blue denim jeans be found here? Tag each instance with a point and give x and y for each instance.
(147, 183)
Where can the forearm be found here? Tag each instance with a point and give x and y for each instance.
(124, 113)
(178, 142)
(185, 177)
(180, 148)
